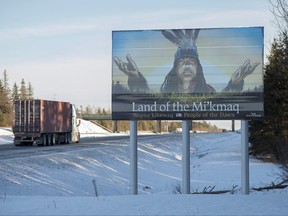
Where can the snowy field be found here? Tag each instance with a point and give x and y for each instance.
(95, 180)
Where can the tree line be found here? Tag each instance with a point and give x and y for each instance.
(269, 138)
(8, 95)
(144, 125)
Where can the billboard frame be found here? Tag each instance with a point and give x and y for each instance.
(134, 99)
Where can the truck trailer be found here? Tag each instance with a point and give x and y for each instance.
(44, 122)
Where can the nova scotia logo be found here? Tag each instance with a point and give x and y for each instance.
(253, 114)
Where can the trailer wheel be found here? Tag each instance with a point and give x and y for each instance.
(44, 140)
(17, 144)
(53, 140)
(69, 138)
(66, 139)
(49, 139)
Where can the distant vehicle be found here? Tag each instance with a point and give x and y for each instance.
(44, 122)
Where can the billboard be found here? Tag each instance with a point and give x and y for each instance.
(180, 74)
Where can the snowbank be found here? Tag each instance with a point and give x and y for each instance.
(6, 136)
(155, 205)
(85, 128)
(67, 182)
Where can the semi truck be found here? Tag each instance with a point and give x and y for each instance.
(44, 122)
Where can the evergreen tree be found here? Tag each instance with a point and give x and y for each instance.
(5, 105)
(30, 91)
(270, 137)
(6, 84)
(23, 90)
(15, 92)
(7, 97)
(88, 110)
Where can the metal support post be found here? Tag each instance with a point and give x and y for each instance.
(186, 157)
(133, 158)
(244, 157)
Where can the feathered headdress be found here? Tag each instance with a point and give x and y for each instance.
(185, 40)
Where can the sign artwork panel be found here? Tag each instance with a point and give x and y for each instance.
(196, 74)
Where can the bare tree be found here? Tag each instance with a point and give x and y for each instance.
(280, 11)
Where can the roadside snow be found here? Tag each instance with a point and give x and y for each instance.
(86, 128)
(67, 183)
(6, 136)
(155, 205)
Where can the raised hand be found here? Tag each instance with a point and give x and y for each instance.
(129, 68)
(243, 71)
(136, 81)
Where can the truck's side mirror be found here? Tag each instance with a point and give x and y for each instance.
(78, 122)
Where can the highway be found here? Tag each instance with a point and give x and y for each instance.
(9, 151)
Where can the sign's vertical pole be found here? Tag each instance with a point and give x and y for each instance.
(186, 157)
(244, 157)
(133, 158)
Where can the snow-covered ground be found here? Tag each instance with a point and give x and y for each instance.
(95, 180)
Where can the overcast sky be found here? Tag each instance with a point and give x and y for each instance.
(64, 47)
